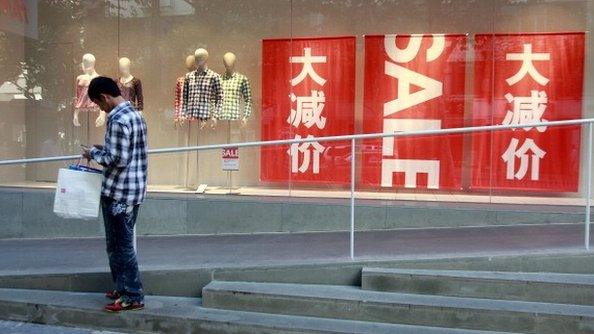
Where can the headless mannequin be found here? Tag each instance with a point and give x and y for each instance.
(201, 56)
(88, 67)
(191, 63)
(126, 79)
(229, 60)
(190, 66)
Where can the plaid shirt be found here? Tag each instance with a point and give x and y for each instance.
(124, 155)
(235, 87)
(179, 95)
(203, 95)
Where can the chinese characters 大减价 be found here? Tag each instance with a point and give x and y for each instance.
(308, 112)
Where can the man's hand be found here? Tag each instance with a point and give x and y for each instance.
(86, 153)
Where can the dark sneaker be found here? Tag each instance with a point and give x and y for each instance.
(121, 305)
(113, 295)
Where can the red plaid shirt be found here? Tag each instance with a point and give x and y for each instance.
(179, 97)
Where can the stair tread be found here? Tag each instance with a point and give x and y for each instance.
(553, 278)
(357, 294)
(191, 309)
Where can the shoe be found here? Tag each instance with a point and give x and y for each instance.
(113, 295)
(120, 305)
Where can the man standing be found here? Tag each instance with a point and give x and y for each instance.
(124, 158)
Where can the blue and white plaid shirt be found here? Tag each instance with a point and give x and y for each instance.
(124, 155)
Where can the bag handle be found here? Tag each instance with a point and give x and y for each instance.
(85, 168)
(79, 162)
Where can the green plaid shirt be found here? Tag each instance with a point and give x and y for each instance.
(235, 87)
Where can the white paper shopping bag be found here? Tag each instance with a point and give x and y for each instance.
(78, 193)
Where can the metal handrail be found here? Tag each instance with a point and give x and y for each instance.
(354, 138)
(319, 139)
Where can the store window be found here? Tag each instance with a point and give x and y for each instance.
(212, 72)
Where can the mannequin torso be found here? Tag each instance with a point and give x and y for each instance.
(130, 86)
(202, 92)
(83, 102)
(131, 89)
(235, 88)
(202, 95)
(126, 79)
(179, 117)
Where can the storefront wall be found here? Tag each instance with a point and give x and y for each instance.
(157, 36)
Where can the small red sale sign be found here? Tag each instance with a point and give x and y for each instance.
(231, 159)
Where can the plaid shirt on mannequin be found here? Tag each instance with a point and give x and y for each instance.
(179, 96)
(202, 95)
(235, 87)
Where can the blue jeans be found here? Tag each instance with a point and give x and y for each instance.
(119, 219)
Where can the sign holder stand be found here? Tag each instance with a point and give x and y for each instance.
(229, 142)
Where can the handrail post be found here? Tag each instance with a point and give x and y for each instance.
(353, 199)
(589, 188)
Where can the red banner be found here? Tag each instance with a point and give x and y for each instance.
(308, 90)
(414, 82)
(520, 79)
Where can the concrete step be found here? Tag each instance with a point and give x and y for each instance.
(345, 302)
(179, 279)
(537, 287)
(179, 315)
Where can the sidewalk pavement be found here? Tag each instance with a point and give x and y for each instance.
(38, 256)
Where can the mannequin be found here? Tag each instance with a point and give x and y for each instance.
(235, 86)
(202, 92)
(130, 86)
(179, 118)
(82, 102)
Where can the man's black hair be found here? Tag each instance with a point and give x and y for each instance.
(103, 85)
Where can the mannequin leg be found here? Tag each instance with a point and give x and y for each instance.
(187, 174)
(100, 119)
(198, 159)
(75, 120)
